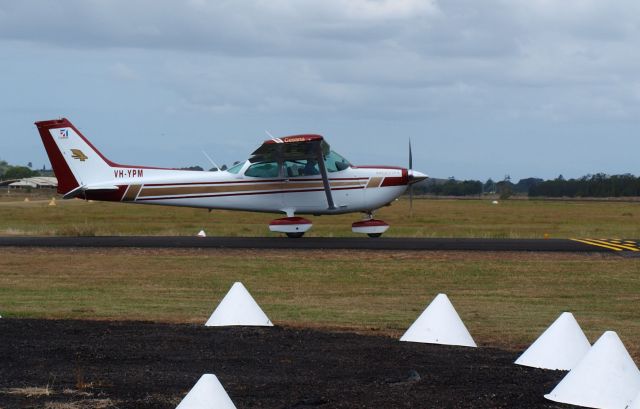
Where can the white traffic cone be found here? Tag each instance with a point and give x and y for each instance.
(606, 377)
(238, 308)
(439, 324)
(560, 347)
(201, 233)
(207, 393)
(635, 404)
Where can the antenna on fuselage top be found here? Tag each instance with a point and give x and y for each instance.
(269, 134)
(215, 165)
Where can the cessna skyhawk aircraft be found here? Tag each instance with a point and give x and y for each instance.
(291, 175)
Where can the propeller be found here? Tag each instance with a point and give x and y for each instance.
(411, 185)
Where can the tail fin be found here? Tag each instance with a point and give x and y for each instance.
(76, 162)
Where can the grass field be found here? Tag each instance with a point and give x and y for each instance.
(506, 299)
(431, 218)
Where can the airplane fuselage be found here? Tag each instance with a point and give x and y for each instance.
(355, 189)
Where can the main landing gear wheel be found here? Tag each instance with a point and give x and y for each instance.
(293, 227)
(371, 227)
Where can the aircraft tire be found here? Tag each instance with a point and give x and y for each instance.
(295, 235)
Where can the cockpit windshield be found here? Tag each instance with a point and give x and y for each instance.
(335, 162)
(293, 168)
(236, 168)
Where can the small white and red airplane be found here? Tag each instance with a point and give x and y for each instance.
(291, 175)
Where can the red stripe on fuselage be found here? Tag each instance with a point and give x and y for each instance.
(245, 194)
(245, 181)
(396, 181)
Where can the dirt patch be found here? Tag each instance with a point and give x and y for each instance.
(95, 364)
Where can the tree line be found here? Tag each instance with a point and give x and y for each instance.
(10, 172)
(598, 185)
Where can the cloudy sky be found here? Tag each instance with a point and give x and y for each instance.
(482, 88)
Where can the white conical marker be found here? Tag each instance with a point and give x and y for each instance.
(635, 404)
(201, 233)
(439, 323)
(606, 377)
(238, 308)
(207, 393)
(560, 347)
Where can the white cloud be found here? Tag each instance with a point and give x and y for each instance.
(455, 61)
(122, 71)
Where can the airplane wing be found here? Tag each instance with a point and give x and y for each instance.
(291, 148)
(297, 147)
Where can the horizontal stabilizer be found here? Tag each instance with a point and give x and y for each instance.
(81, 189)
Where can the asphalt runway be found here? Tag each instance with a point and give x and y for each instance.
(628, 247)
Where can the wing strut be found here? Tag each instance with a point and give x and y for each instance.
(325, 177)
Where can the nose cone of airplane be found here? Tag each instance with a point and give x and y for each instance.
(415, 176)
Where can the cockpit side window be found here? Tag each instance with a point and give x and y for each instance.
(309, 167)
(263, 170)
(335, 162)
(302, 167)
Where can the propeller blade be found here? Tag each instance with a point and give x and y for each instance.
(410, 156)
(410, 186)
(411, 201)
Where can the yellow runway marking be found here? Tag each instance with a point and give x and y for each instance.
(615, 245)
(591, 243)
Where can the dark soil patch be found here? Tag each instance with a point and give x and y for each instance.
(92, 364)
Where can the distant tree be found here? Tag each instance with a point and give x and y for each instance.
(452, 187)
(598, 185)
(3, 167)
(223, 167)
(524, 185)
(505, 188)
(193, 168)
(19, 172)
(489, 186)
(29, 165)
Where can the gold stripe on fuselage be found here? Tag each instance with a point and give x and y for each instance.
(374, 182)
(223, 189)
(131, 193)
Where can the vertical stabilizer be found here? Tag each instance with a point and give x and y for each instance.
(76, 162)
